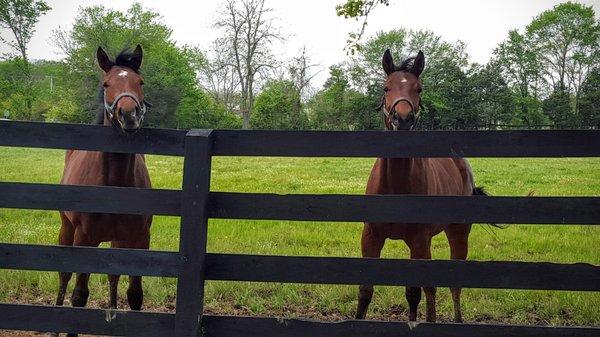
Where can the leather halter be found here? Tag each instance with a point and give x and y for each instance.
(390, 113)
(140, 106)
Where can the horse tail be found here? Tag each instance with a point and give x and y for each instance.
(482, 192)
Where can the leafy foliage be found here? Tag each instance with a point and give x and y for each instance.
(276, 108)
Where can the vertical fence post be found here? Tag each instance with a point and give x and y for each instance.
(192, 240)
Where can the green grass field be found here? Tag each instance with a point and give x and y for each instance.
(566, 244)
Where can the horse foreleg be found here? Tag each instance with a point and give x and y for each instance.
(113, 282)
(458, 238)
(371, 246)
(65, 238)
(420, 248)
(135, 293)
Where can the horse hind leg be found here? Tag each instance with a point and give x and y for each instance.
(458, 237)
(371, 247)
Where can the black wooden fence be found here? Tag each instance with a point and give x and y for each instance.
(195, 204)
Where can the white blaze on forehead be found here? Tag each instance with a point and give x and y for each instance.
(123, 73)
(403, 79)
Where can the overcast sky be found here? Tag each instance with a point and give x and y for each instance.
(482, 24)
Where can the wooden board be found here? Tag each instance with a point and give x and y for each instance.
(406, 208)
(89, 260)
(435, 273)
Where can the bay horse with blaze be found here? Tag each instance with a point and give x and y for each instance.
(123, 108)
(420, 176)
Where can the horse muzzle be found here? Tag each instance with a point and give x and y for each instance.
(130, 121)
(397, 121)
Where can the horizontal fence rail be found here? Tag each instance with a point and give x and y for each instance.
(223, 326)
(406, 208)
(91, 138)
(87, 321)
(89, 260)
(433, 273)
(374, 208)
(561, 143)
(149, 324)
(526, 143)
(90, 199)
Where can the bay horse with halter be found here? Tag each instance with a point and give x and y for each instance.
(123, 107)
(425, 176)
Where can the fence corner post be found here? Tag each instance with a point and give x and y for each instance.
(193, 232)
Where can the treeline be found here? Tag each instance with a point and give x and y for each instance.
(546, 74)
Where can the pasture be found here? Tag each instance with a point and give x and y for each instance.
(566, 244)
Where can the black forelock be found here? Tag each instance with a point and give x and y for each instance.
(406, 65)
(123, 59)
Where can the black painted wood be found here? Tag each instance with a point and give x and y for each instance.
(91, 138)
(92, 199)
(406, 209)
(193, 233)
(89, 260)
(434, 273)
(227, 326)
(87, 321)
(556, 143)
(523, 143)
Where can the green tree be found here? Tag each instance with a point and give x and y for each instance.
(558, 109)
(200, 111)
(589, 110)
(566, 41)
(520, 66)
(21, 16)
(338, 106)
(276, 108)
(167, 70)
(490, 97)
(326, 109)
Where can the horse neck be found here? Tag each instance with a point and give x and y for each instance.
(119, 168)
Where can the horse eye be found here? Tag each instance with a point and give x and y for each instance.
(420, 90)
(105, 84)
(386, 89)
(141, 82)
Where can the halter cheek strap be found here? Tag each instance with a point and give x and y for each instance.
(391, 115)
(141, 106)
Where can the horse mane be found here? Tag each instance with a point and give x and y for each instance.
(407, 64)
(123, 59)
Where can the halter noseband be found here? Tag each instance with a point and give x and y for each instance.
(140, 106)
(393, 118)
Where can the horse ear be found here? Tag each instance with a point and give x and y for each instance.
(136, 58)
(419, 64)
(388, 62)
(103, 60)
